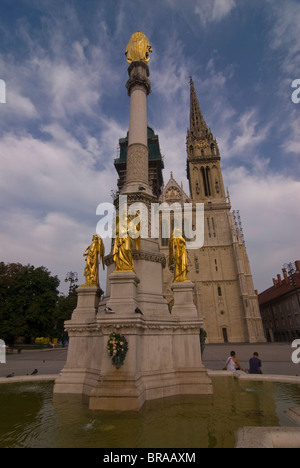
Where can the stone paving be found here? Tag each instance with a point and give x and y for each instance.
(46, 361)
(276, 359)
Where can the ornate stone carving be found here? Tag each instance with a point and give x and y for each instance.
(141, 255)
(137, 163)
(138, 76)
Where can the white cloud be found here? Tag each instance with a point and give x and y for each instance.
(50, 192)
(250, 133)
(270, 215)
(19, 106)
(284, 34)
(292, 139)
(55, 241)
(214, 10)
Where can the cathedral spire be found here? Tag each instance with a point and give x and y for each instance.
(198, 127)
(200, 140)
(203, 157)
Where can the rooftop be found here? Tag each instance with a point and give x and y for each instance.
(281, 286)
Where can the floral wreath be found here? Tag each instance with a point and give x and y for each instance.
(117, 348)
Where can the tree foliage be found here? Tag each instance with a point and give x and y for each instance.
(64, 309)
(28, 301)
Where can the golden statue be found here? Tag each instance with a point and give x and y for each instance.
(94, 253)
(138, 48)
(122, 251)
(178, 253)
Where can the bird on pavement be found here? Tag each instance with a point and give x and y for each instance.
(34, 372)
(10, 375)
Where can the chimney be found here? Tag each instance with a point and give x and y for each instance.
(297, 264)
(286, 278)
(274, 283)
(279, 281)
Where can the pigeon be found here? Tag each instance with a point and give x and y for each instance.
(108, 310)
(138, 311)
(10, 375)
(34, 372)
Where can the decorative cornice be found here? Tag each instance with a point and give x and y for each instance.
(204, 159)
(142, 197)
(104, 326)
(141, 255)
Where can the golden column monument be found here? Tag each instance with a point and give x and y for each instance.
(157, 352)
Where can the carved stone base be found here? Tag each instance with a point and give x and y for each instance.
(123, 292)
(163, 359)
(183, 300)
(88, 298)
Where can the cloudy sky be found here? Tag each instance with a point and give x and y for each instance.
(66, 107)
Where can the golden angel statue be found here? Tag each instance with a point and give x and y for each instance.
(178, 253)
(138, 48)
(122, 251)
(94, 253)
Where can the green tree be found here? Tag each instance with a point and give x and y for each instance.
(28, 299)
(64, 309)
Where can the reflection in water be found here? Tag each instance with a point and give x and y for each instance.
(30, 417)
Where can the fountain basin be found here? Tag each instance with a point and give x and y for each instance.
(212, 421)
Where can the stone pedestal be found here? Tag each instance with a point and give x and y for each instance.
(82, 367)
(88, 298)
(163, 358)
(123, 291)
(183, 300)
(148, 264)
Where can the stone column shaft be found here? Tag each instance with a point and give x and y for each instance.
(138, 116)
(138, 86)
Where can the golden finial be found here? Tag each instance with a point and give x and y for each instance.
(138, 48)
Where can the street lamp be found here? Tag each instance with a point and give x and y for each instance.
(73, 278)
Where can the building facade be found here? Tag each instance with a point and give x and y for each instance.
(280, 306)
(220, 270)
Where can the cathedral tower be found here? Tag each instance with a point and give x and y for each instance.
(203, 158)
(224, 292)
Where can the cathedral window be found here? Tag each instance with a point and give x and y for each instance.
(208, 227)
(206, 182)
(213, 226)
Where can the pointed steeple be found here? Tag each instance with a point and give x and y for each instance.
(200, 140)
(198, 127)
(203, 157)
